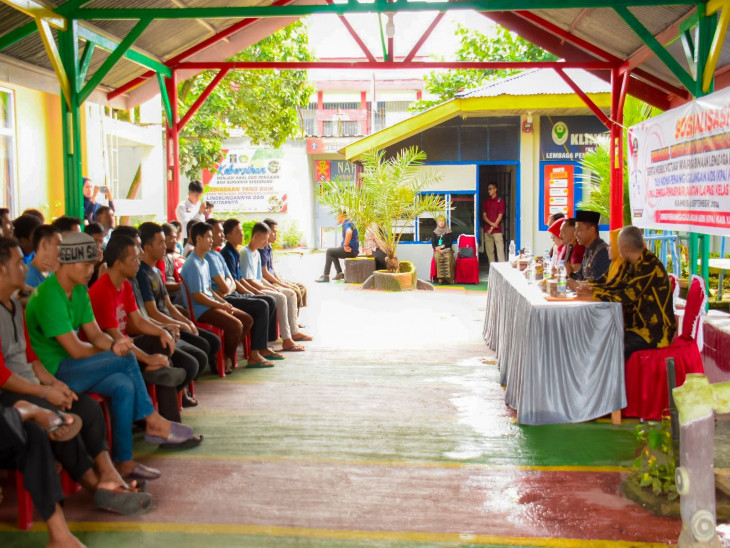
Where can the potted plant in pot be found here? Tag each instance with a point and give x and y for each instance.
(386, 200)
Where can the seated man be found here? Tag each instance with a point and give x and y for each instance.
(207, 306)
(85, 457)
(96, 231)
(645, 292)
(45, 248)
(173, 261)
(24, 447)
(58, 308)
(349, 248)
(595, 260)
(23, 228)
(156, 300)
(286, 300)
(6, 223)
(236, 294)
(116, 313)
(267, 266)
(66, 224)
(573, 255)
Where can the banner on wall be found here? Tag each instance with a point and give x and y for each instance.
(569, 138)
(326, 170)
(679, 168)
(251, 180)
(559, 182)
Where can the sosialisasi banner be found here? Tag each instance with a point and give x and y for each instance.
(250, 180)
(679, 168)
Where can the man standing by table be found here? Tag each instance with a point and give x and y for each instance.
(595, 260)
(493, 210)
(644, 292)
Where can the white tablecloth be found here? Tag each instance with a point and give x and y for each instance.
(560, 361)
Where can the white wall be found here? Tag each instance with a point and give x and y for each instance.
(420, 255)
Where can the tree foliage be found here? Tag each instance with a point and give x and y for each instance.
(265, 103)
(388, 197)
(476, 46)
(596, 176)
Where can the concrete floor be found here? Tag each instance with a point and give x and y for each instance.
(390, 430)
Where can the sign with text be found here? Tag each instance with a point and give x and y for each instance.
(679, 168)
(559, 183)
(569, 138)
(252, 180)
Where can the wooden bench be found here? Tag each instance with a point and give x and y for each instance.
(359, 269)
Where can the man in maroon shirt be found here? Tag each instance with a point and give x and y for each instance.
(493, 211)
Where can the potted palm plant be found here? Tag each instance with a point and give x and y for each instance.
(386, 200)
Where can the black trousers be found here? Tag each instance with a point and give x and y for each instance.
(334, 254)
(24, 446)
(634, 343)
(76, 455)
(207, 342)
(167, 395)
(258, 309)
(273, 333)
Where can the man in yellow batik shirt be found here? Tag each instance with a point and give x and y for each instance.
(645, 292)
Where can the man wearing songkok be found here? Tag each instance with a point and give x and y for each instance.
(644, 292)
(595, 260)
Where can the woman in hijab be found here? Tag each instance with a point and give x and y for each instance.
(558, 251)
(443, 255)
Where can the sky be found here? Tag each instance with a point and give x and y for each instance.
(330, 39)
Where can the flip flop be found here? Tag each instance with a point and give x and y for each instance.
(301, 337)
(295, 348)
(274, 356)
(142, 472)
(189, 443)
(73, 429)
(126, 503)
(260, 365)
(179, 433)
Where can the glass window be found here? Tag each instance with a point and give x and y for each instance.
(7, 150)
(426, 223)
(462, 214)
(409, 230)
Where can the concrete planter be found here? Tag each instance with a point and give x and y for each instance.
(405, 280)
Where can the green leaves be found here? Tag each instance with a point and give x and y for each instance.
(475, 46)
(388, 198)
(265, 103)
(654, 467)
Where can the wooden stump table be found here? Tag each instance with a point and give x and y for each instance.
(359, 269)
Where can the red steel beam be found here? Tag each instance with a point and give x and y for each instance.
(598, 52)
(587, 100)
(197, 48)
(424, 37)
(200, 100)
(355, 36)
(368, 65)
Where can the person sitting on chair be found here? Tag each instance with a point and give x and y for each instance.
(645, 292)
(349, 248)
(595, 260)
(443, 255)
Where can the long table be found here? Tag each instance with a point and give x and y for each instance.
(559, 361)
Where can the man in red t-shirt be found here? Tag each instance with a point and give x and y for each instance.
(493, 211)
(116, 312)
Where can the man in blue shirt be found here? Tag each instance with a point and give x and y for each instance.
(45, 260)
(349, 248)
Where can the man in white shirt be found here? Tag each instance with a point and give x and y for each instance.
(193, 207)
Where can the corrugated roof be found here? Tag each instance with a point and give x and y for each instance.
(539, 82)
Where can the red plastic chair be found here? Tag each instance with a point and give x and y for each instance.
(646, 370)
(220, 357)
(467, 268)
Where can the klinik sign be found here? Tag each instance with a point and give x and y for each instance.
(679, 168)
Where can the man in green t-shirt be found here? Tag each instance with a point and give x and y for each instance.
(57, 309)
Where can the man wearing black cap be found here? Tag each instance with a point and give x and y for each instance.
(595, 260)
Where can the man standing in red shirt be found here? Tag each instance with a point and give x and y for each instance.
(493, 211)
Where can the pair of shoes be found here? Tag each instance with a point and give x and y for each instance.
(339, 276)
(188, 400)
(322, 279)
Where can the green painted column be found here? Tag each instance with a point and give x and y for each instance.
(68, 49)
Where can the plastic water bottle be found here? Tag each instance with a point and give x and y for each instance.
(546, 265)
(531, 272)
(562, 280)
(527, 251)
(512, 252)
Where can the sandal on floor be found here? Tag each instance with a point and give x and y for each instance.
(260, 365)
(301, 337)
(73, 428)
(124, 502)
(295, 348)
(189, 443)
(179, 433)
(144, 473)
(274, 356)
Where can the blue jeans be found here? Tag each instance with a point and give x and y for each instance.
(118, 378)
